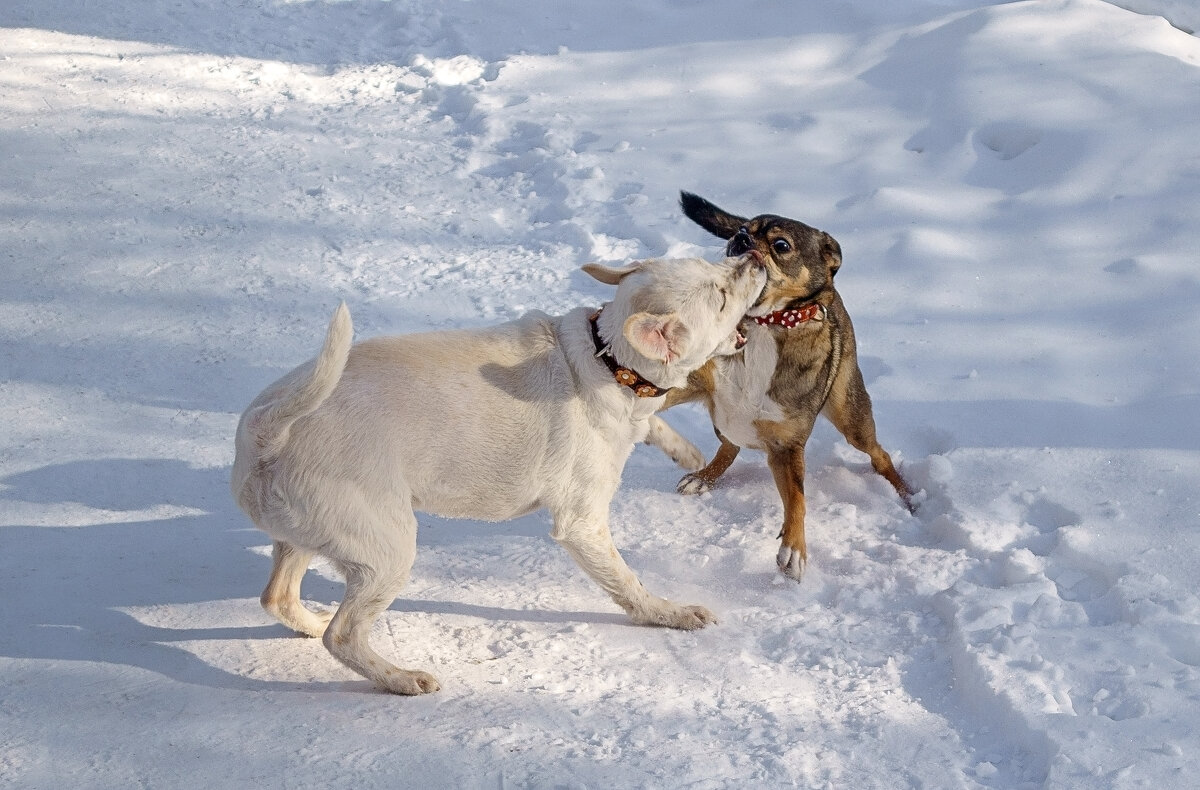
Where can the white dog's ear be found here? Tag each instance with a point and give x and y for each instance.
(611, 275)
(658, 337)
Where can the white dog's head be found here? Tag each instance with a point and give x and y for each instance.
(670, 316)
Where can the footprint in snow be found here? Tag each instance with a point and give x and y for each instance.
(1007, 140)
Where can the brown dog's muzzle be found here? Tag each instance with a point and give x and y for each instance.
(740, 242)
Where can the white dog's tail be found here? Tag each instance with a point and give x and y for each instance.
(302, 393)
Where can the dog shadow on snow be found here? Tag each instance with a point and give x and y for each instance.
(75, 593)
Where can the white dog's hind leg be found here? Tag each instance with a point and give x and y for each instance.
(282, 594)
(589, 543)
(677, 448)
(371, 586)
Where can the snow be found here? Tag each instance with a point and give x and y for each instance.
(190, 187)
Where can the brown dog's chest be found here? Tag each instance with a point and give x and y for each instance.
(779, 377)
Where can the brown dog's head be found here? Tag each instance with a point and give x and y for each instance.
(801, 260)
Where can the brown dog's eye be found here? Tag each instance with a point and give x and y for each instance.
(781, 246)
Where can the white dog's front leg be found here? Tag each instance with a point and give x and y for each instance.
(589, 542)
(677, 448)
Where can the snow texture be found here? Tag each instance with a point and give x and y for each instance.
(191, 186)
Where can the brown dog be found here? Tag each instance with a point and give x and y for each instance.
(799, 361)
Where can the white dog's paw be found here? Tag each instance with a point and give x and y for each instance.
(692, 617)
(693, 484)
(688, 457)
(677, 448)
(670, 615)
(409, 682)
(791, 562)
(301, 619)
(316, 624)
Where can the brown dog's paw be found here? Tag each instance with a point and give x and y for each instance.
(791, 562)
(913, 499)
(693, 484)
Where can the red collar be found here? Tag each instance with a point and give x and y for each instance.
(790, 319)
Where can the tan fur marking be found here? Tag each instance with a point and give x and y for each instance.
(787, 466)
(793, 288)
(779, 436)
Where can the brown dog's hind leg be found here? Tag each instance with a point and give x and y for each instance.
(706, 478)
(787, 465)
(849, 409)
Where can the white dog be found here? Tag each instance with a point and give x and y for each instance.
(542, 412)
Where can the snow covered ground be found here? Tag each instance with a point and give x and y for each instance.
(189, 187)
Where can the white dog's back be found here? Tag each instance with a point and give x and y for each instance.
(471, 424)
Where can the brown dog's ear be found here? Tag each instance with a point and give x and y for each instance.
(716, 221)
(611, 275)
(831, 251)
(659, 337)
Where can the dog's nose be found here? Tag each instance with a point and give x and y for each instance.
(740, 243)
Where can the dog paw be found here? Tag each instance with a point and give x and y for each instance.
(315, 626)
(689, 618)
(301, 619)
(677, 448)
(693, 484)
(791, 562)
(688, 458)
(410, 683)
(685, 618)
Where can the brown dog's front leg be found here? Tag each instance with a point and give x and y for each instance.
(787, 465)
(706, 478)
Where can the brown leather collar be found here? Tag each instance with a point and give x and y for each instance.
(628, 377)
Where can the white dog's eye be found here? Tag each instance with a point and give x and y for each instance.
(724, 298)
